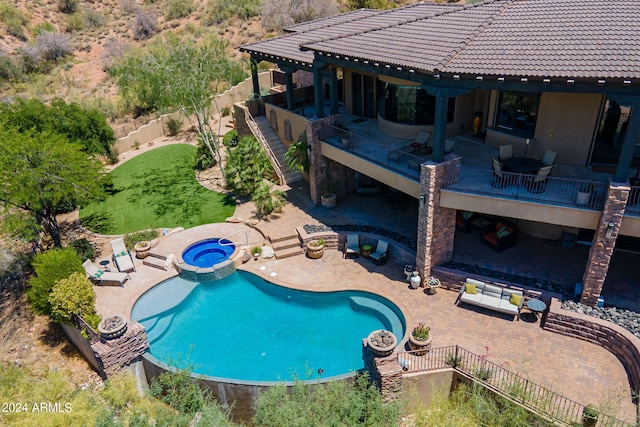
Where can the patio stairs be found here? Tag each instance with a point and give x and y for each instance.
(277, 149)
(286, 246)
(159, 261)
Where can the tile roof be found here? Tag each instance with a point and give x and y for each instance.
(288, 47)
(522, 38)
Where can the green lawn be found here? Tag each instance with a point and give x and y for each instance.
(156, 189)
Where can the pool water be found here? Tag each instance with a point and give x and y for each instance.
(207, 253)
(242, 327)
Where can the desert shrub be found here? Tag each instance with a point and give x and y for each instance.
(268, 198)
(9, 70)
(68, 6)
(247, 165)
(94, 19)
(204, 158)
(336, 403)
(173, 126)
(75, 23)
(225, 111)
(278, 14)
(178, 390)
(132, 238)
(218, 11)
(113, 49)
(42, 27)
(175, 9)
(230, 139)
(13, 20)
(129, 6)
(50, 267)
(53, 46)
(144, 26)
(70, 296)
(84, 248)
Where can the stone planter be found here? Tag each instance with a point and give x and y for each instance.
(112, 327)
(315, 250)
(382, 342)
(328, 200)
(142, 249)
(420, 347)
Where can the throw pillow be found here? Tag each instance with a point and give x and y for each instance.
(415, 145)
(123, 253)
(98, 274)
(470, 288)
(503, 232)
(515, 299)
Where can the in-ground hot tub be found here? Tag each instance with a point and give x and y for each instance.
(206, 260)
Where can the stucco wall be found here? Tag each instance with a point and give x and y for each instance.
(298, 123)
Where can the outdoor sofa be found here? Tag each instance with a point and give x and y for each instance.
(493, 297)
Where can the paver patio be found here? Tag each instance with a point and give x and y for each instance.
(576, 369)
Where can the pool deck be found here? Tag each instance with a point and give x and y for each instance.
(576, 369)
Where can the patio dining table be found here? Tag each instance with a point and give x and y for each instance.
(525, 165)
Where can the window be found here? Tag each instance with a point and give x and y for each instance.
(518, 112)
(411, 105)
(287, 130)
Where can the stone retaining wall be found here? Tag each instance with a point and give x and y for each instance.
(385, 372)
(618, 341)
(113, 355)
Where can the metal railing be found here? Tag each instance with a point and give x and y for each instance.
(406, 164)
(633, 204)
(255, 129)
(550, 190)
(246, 238)
(540, 400)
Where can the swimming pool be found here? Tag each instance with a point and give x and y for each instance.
(245, 328)
(208, 252)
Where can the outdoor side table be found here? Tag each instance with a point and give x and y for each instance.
(105, 264)
(536, 306)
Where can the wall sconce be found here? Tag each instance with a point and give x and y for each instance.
(609, 232)
(422, 199)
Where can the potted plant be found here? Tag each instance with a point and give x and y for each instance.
(382, 342)
(583, 195)
(142, 249)
(328, 197)
(315, 248)
(255, 252)
(420, 339)
(589, 416)
(432, 284)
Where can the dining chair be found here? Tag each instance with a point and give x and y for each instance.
(538, 183)
(506, 152)
(549, 158)
(498, 179)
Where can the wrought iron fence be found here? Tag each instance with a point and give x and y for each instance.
(577, 193)
(633, 204)
(540, 400)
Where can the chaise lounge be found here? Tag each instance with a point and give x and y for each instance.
(121, 256)
(102, 277)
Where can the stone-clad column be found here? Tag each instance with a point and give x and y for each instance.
(603, 242)
(436, 225)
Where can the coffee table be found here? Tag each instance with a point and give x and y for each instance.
(536, 306)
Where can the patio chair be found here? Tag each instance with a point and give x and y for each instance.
(381, 253)
(411, 147)
(102, 277)
(121, 256)
(352, 245)
(498, 179)
(538, 183)
(506, 152)
(549, 158)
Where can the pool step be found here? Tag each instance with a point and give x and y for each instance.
(287, 246)
(157, 255)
